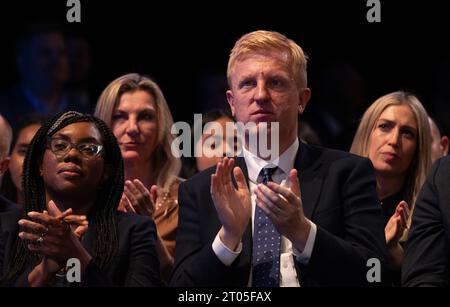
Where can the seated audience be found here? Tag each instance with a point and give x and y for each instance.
(23, 133)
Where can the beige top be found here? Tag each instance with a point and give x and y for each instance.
(166, 217)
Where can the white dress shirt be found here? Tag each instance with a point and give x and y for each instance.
(288, 274)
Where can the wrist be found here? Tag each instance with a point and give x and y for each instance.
(229, 240)
(40, 275)
(84, 257)
(393, 244)
(300, 237)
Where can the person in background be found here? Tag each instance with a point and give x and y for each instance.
(42, 64)
(307, 134)
(80, 62)
(134, 108)
(5, 144)
(210, 144)
(23, 133)
(394, 134)
(440, 142)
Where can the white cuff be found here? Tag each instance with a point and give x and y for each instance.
(226, 255)
(303, 257)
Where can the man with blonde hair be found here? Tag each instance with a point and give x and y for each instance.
(307, 217)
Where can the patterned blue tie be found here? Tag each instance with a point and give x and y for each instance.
(266, 244)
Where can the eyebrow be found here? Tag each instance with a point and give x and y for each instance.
(85, 139)
(146, 109)
(277, 74)
(402, 126)
(22, 144)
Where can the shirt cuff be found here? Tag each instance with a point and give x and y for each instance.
(303, 257)
(225, 255)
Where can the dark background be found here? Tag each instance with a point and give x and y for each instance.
(184, 46)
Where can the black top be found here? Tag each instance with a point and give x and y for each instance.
(135, 264)
(7, 205)
(389, 204)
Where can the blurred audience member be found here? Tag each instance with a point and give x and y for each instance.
(42, 64)
(209, 91)
(440, 142)
(79, 55)
(210, 143)
(338, 102)
(307, 134)
(23, 133)
(5, 143)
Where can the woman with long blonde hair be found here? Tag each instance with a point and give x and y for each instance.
(135, 109)
(395, 135)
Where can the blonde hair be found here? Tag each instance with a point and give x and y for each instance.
(166, 165)
(421, 161)
(266, 41)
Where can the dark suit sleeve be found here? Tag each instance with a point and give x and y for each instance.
(143, 267)
(196, 263)
(340, 257)
(426, 258)
(2, 249)
(9, 229)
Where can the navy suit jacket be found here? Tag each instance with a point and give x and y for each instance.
(427, 255)
(339, 196)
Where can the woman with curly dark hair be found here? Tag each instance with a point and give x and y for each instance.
(73, 183)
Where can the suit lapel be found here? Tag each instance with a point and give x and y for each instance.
(308, 164)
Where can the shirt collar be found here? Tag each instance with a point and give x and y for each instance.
(285, 161)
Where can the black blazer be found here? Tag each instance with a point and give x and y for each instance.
(427, 256)
(339, 196)
(7, 205)
(136, 262)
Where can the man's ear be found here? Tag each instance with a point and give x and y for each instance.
(303, 97)
(4, 165)
(230, 99)
(444, 144)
